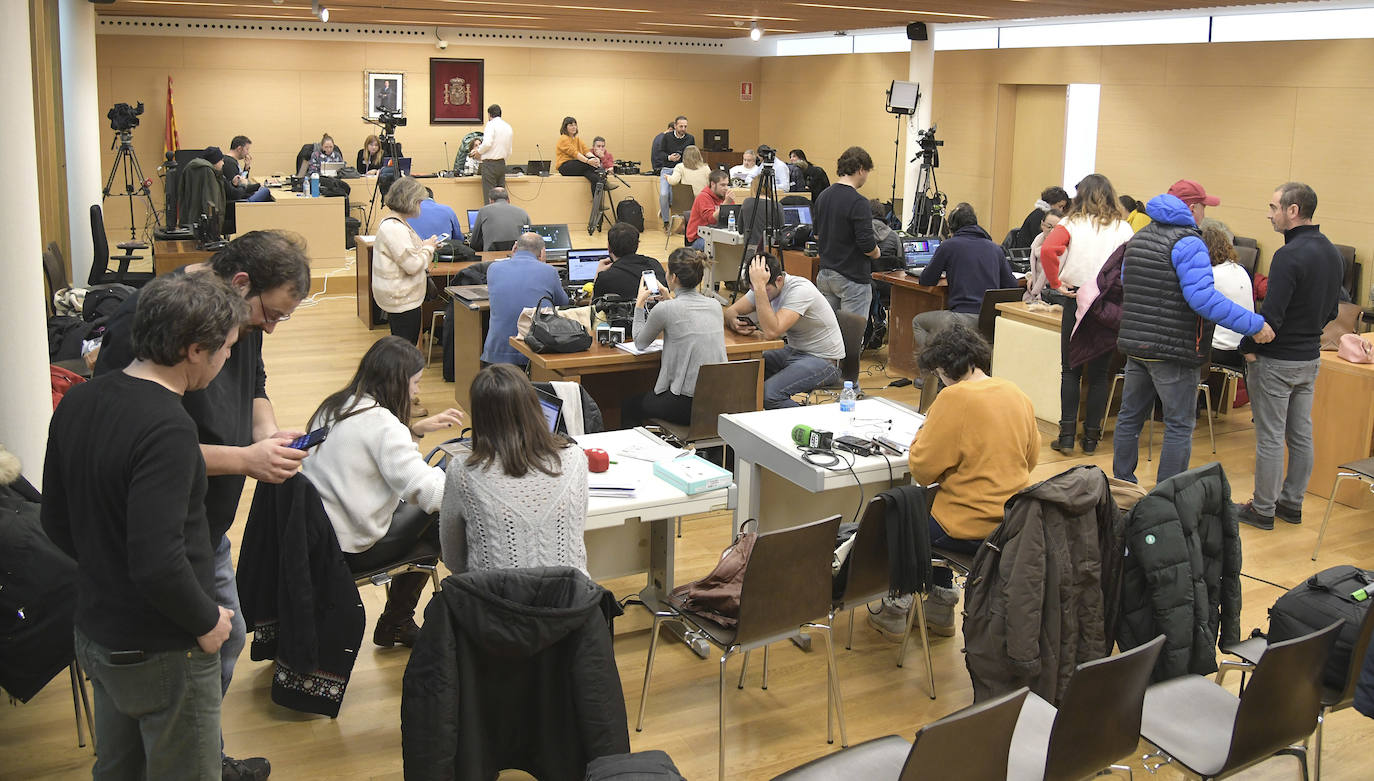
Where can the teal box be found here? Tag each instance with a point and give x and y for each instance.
(692, 474)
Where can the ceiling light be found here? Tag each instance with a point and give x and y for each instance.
(319, 10)
(903, 11)
(754, 32)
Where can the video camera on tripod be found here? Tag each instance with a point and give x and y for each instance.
(124, 117)
(930, 147)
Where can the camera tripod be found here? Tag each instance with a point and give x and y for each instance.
(765, 216)
(388, 142)
(602, 202)
(928, 212)
(127, 162)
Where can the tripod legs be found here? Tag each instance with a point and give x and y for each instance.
(601, 203)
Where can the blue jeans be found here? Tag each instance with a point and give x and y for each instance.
(787, 371)
(1281, 399)
(698, 243)
(226, 594)
(1176, 384)
(939, 538)
(844, 294)
(156, 718)
(665, 193)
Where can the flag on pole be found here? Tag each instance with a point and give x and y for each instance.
(170, 142)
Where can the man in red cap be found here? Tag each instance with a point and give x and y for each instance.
(1196, 198)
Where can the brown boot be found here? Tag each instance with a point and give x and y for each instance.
(396, 625)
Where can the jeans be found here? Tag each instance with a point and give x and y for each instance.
(226, 595)
(156, 718)
(698, 243)
(939, 538)
(928, 324)
(665, 194)
(787, 371)
(1281, 399)
(844, 294)
(1176, 384)
(1071, 377)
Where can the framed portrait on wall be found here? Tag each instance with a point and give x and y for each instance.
(383, 92)
(455, 91)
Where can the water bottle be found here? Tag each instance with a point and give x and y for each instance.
(314, 185)
(730, 223)
(847, 399)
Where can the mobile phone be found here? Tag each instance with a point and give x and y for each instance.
(443, 237)
(651, 282)
(310, 440)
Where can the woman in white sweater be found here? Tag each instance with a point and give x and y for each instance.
(400, 260)
(1071, 256)
(380, 495)
(520, 498)
(692, 170)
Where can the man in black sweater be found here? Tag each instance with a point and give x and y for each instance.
(621, 272)
(844, 228)
(1304, 290)
(235, 419)
(124, 494)
(235, 170)
(666, 155)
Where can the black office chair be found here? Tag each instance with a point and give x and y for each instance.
(100, 263)
(987, 314)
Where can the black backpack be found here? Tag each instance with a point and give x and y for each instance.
(65, 335)
(630, 211)
(795, 236)
(1341, 593)
(454, 251)
(103, 301)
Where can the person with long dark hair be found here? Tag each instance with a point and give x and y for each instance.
(520, 498)
(572, 157)
(693, 334)
(378, 491)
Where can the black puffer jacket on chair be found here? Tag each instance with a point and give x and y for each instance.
(1182, 575)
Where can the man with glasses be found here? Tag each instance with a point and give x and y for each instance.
(239, 435)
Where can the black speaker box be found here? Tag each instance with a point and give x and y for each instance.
(916, 31)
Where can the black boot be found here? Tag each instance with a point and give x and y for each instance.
(1090, 438)
(397, 621)
(1064, 444)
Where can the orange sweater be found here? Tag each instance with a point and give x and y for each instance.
(980, 443)
(568, 148)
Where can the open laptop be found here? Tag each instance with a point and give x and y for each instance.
(402, 163)
(919, 252)
(723, 216)
(557, 240)
(330, 169)
(538, 167)
(472, 219)
(796, 215)
(552, 407)
(582, 264)
(472, 292)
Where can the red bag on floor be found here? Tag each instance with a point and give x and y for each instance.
(1242, 395)
(62, 381)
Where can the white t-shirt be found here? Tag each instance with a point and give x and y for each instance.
(1231, 281)
(742, 171)
(817, 331)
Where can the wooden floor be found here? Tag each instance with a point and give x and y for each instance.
(767, 731)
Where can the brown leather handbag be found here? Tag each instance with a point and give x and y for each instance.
(716, 596)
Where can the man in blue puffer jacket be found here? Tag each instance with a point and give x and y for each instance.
(1169, 309)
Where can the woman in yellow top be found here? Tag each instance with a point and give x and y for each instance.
(692, 170)
(980, 443)
(572, 157)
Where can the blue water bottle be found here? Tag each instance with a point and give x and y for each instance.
(315, 185)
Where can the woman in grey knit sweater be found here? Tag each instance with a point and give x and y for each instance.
(693, 330)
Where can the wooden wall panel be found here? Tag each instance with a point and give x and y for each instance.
(47, 126)
(1037, 157)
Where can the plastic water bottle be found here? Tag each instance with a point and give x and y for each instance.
(847, 399)
(730, 223)
(314, 185)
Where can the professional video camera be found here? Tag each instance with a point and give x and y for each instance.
(767, 154)
(626, 167)
(124, 117)
(392, 119)
(929, 146)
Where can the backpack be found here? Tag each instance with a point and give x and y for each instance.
(454, 251)
(795, 236)
(716, 596)
(103, 301)
(631, 212)
(640, 766)
(1318, 602)
(334, 187)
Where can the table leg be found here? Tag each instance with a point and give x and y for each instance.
(660, 584)
(747, 481)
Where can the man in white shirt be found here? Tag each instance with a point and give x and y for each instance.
(497, 141)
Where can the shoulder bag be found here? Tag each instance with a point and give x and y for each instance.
(550, 332)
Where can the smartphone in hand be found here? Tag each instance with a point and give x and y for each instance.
(310, 440)
(651, 282)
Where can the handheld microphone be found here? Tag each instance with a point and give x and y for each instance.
(806, 436)
(540, 155)
(448, 159)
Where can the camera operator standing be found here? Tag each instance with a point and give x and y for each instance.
(844, 227)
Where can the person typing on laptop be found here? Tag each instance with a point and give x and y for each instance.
(621, 272)
(973, 264)
(706, 208)
(325, 152)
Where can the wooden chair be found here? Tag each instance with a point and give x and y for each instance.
(681, 204)
(1363, 471)
(987, 314)
(852, 333)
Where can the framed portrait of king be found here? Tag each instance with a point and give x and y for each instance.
(383, 92)
(455, 91)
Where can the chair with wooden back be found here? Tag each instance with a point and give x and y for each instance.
(722, 389)
(987, 314)
(852, 334)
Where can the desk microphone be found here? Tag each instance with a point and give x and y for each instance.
(538, 153)
(806, 436)
(448, 159)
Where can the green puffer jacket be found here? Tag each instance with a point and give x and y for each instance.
(1182, 576)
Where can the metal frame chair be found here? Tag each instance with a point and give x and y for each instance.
(1210, 733)
(1362, 470)
(786, 587)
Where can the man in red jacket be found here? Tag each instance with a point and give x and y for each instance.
(707, 206)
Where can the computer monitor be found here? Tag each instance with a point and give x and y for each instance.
(472, 219)
(402, 164)
(716, 140)
(796, 215)
(552, 407)
(582, 263)
(557, 240)
(919, 251)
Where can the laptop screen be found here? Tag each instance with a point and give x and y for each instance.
(402, 163)
(723, 216)
(796, 215)
(919, 251)
(552, 407)
(582, 263)
(472, 219)
(555, 236)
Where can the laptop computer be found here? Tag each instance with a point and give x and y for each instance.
(557, 241)
(919, 252)
(472, 219)
(723, 216)
(552, 407)
(796, 215)
(538, 167)
(328, 168)
(402, 163)
(582, 263)
(472, 292)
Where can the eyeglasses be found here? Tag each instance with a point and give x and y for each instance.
(271, 317)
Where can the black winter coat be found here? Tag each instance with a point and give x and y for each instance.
(37, 596)
(298, 597)
(1182, 574)
(1037, 603)
(1364, 689)
(513, 670)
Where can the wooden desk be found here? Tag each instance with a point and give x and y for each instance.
(1342, 426)
(909, 298)
(172, 255)
(319, 221)
(1026, 352)
(797, 263)
(611, 375)
(368, 312)
(471, 319)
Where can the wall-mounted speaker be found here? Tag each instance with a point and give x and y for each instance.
(916, 31)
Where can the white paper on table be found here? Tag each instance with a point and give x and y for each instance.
(629, 347)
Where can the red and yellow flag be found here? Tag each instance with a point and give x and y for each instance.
(170, 142)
